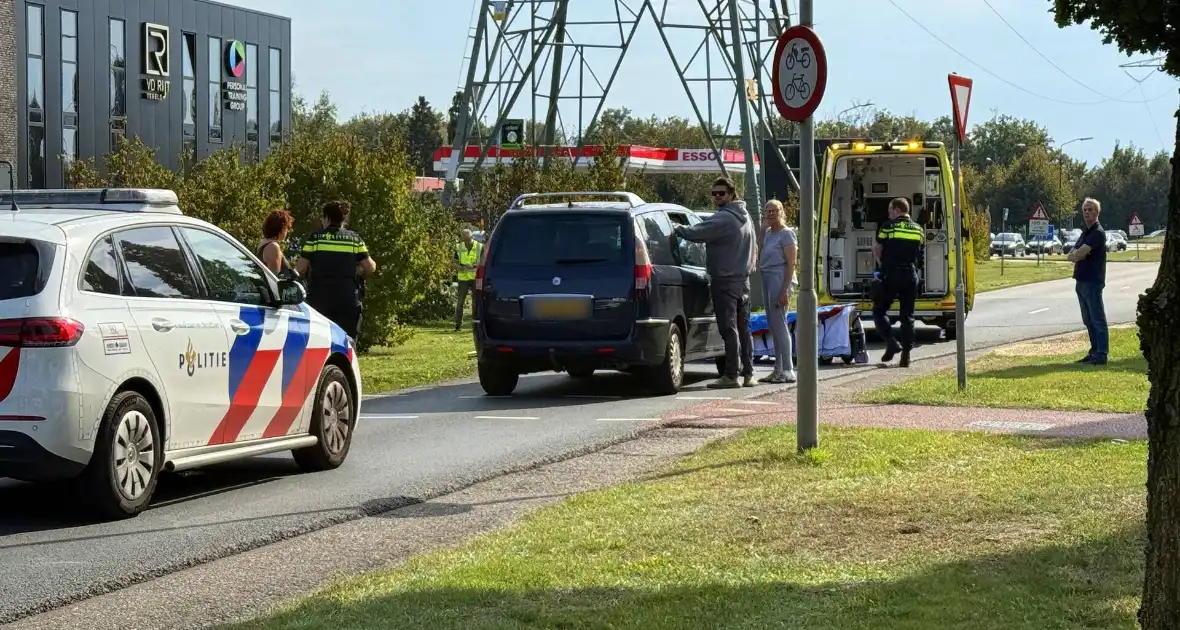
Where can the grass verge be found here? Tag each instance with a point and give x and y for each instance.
(1037, 375)
(884, 529)
(434, 353)
(988, 277)
(1154, 254)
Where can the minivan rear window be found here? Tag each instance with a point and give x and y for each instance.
(543, 240)
(24, 268)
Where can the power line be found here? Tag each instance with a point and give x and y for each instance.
(1002, 79)
(1050, 61)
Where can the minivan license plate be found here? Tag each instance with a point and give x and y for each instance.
(558, 308)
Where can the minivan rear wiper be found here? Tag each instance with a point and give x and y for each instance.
(578, 261)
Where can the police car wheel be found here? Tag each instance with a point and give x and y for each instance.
(128, 455)
(333, 418)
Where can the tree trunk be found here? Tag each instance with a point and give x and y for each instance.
(1159, 340)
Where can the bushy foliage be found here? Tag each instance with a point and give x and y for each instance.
(979, 226)
(407, 235)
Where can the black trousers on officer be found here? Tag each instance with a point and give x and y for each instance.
(345, 313)
(899, 284)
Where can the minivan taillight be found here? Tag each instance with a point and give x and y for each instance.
(481, 268)
(40, 332)
(642, 269)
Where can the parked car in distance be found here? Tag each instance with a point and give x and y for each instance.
(572, 285)
(1120, 233)
(1115, 242)
(1008, 244)
(1044, 245)
(1158, 234)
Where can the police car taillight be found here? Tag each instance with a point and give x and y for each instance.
(40, 332)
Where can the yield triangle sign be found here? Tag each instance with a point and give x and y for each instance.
(1135, 219)
(960, 102)
(1039, 213)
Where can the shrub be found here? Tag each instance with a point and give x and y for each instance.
(979, 228)
(409, 238)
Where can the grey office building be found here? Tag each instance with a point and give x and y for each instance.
(181, 75)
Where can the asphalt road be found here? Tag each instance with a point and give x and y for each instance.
(411, 446)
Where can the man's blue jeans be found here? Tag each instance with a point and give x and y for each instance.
(1094, 317)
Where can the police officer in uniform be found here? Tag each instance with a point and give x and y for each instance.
(899, 244)
(335, 261)
(467, 253)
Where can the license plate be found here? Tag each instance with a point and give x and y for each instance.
(559, 309)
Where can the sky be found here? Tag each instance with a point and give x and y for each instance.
(380, 55)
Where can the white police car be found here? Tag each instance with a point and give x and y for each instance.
(135, 340)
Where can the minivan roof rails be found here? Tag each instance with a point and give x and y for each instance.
(107, 199)
(631, 198)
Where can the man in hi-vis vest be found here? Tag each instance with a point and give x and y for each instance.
(467, 253)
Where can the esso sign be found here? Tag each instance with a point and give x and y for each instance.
(698, 156)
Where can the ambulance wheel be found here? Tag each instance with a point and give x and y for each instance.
(948, 329)
(128, 455)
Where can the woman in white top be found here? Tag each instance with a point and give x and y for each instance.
(776, 262)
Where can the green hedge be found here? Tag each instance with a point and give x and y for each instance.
(409, 236)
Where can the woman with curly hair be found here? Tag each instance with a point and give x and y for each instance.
(270, 250)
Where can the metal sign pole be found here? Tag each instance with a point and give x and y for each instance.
(807, 394)
(960, 303)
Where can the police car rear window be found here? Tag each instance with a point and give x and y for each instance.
(544, 240)
(24, 268)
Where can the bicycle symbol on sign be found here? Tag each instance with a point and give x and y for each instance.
(802, 57)
(797, 84)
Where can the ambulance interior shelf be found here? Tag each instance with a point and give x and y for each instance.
(863, 189)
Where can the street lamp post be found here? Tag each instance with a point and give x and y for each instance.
(1061, 165)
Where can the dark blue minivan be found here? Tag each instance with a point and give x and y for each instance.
(586, 284)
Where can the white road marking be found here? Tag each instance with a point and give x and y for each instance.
(702, 398)
(507, 418)
(1126, 288)
(682, 417)
(628, 420)
(1039, 310)
(387, 416)
(1012, 426)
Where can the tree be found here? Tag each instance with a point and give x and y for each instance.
(1128, 182)
(1032, 177)
(1150, 28)
(423, 136)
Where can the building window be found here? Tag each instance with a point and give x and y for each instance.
(214, 89)
(276, 96)
(35, 21)
(118, 96)
(188, 144)
(252, 95)
(69, 91)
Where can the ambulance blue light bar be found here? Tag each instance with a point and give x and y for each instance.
(112, 199)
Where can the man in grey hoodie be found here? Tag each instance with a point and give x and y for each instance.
(730, 257)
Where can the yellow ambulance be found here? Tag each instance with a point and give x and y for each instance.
(859, 178)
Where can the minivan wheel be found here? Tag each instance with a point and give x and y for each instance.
(667, 377)
(332, 421)
(497, 380)
(128, 454)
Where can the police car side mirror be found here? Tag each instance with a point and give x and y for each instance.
(291, 293)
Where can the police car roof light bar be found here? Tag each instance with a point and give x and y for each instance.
(630, 198)
(115, 199)
(11, 184)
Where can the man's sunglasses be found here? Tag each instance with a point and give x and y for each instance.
(720, 193)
